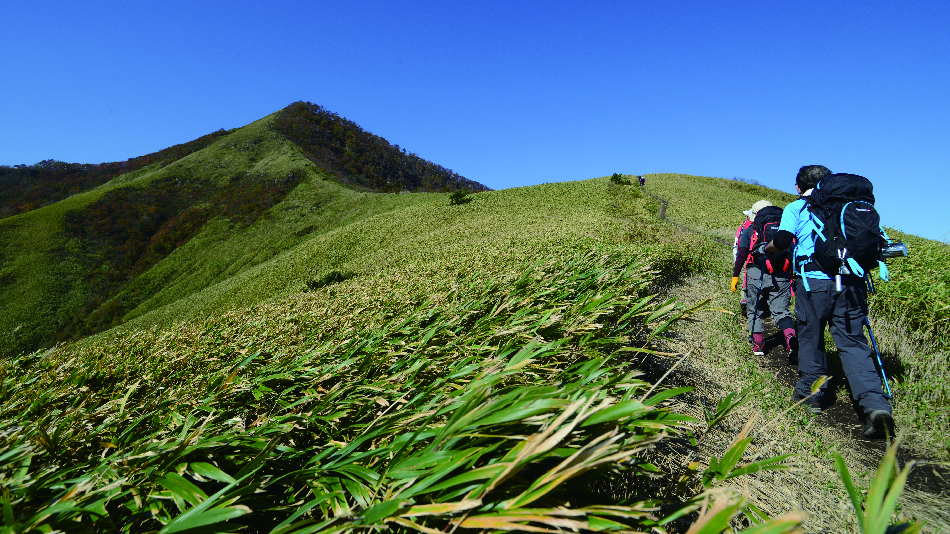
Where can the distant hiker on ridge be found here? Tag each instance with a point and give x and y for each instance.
(817, 221)
(769, 279)
(643, 181)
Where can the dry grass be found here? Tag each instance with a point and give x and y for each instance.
(720, 363)
(917, 369)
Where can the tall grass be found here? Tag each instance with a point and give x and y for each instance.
(919, 291)
(910, 315)
(475, 368)
(496, 405)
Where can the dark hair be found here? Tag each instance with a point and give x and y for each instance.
(809, 176)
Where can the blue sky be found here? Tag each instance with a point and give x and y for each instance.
(508, 93)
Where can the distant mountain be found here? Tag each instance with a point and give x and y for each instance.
(27, 187)
(84, 251)
(352, 155)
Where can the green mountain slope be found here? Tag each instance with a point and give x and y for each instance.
(28, 187)
(285, 353)
(109, 254)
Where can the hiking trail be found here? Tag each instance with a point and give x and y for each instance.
(662, 215)
(929, 476)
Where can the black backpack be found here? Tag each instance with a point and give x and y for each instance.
(764, 229)
(847, 228)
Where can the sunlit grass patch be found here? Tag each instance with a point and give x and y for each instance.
(710, 204)
(910, 316)
(493, 403)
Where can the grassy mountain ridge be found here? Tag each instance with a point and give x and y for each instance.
(464, 331)
(497, 230)
(28, 187)
(335, 359)
(453, 270)
(101, 258)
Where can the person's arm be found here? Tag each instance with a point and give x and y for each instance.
(742, 253)
(742, 249)
(781, 242)
(741, 257)
(786, 228)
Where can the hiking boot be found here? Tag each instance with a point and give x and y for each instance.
(758, 349)
(809, 404)
(879, 424)
(791, 349)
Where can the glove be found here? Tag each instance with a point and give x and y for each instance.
(735, 283)
(760, 249)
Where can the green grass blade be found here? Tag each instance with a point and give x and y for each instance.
(205, 518)
(856, 500)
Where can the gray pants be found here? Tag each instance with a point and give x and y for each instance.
(776, 296)
(844, 312)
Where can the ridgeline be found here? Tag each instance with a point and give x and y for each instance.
(295, 326)
(97, 250)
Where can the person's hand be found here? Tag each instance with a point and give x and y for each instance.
(735, 283)
(760, 249)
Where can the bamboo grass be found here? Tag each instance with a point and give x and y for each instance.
(461, 417)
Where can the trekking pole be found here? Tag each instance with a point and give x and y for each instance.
(880, 364)
(867, 322)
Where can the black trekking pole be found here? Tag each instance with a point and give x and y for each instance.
(880, 363)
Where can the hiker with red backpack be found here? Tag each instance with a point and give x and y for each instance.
(735, 254)
(838, 241)
(769, 279)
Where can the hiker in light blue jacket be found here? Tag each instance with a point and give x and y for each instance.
(820, 302)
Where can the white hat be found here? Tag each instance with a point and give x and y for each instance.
(756, 207)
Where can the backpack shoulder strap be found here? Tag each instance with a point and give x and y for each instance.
(815, 226)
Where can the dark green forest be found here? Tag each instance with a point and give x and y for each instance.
(360, 159)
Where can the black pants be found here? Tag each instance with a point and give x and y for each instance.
(844, 312)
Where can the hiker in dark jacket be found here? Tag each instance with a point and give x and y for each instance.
(735, 257)
(818, 303)
(768, 286)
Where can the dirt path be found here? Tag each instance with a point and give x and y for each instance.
(721, 361)
(841, 415)
(662, 214)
